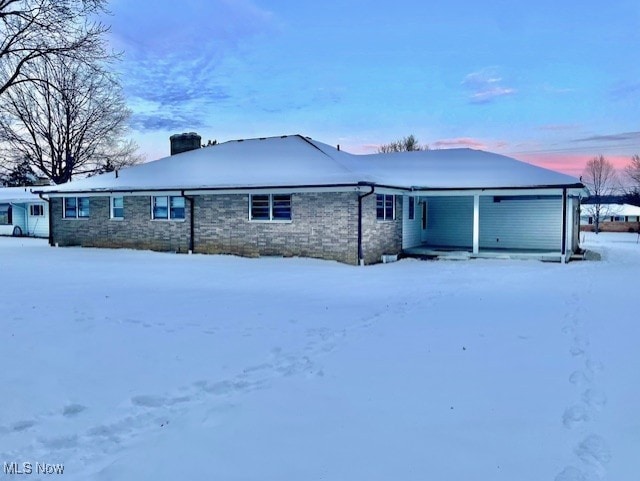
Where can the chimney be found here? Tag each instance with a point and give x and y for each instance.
(184, 142)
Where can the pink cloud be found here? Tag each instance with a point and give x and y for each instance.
(469, 142)
(459, 142)
(572, 164)
(362, 148)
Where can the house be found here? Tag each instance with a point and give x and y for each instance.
(613, 217)
(23, 213)
(294, 196)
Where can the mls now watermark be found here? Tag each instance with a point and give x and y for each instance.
(33, 468)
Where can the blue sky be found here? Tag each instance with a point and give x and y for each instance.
(550, 82)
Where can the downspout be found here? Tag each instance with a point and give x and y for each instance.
(360, 197)
(191, 219)
(564, 225)
(50, 215)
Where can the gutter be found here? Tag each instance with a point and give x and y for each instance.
(191, 221)
(360, 197)
(48, 201)
(303, 186)
(201, 189)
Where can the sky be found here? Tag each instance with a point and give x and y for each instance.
(548, 82)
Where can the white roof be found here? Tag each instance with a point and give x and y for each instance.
(18, 195)
(294, 161)
(612, 209)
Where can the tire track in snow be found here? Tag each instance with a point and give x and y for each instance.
(592, 451)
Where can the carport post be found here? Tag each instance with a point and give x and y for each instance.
(476, 223)
(563, 247)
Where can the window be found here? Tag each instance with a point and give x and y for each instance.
(412, 208)
(76, 207)
(5, 214)
(385, 206)
(176, 207)
(167, 207)
(117, 207)
(36, 210)
(270, 207)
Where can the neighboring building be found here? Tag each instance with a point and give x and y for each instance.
(613, 218)
(23, 213)
(293, 196)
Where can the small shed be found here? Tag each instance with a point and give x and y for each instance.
(23, 213)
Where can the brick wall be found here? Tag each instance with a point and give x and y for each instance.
(612, 227)
(324, 225)
(135, 231)
(380, 237)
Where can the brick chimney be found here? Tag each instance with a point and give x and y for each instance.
(184, 142)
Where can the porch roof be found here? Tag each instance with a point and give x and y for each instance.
(18, 195)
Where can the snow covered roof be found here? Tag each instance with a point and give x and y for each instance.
(18, 195)
(295, 161)
(612, 209)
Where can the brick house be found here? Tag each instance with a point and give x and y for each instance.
(293, 196)
(613, 217)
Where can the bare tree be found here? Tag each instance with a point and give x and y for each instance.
(32, 30)
(632, 171)
(72, 123)
(600, 178)
(406, 144)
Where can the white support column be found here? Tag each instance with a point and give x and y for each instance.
(476, 223)
(565, 229)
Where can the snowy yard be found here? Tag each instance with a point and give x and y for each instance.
(127, 365)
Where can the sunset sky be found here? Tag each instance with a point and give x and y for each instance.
(550, 82)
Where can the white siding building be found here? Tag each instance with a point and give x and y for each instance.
(23, 213)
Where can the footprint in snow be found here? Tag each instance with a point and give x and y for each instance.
(574, 416)
(23, 425)
(594, 398)
(60, 442)
(149, 401)
(570, 473)
(71, 410)
(594, 451)
(580, 378)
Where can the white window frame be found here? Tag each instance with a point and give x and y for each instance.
(112, 208)
(40, 209)
(384, 217)
(77, 216)
(169, 217)
(271, 208)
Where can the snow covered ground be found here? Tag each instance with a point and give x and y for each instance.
(127, 365)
